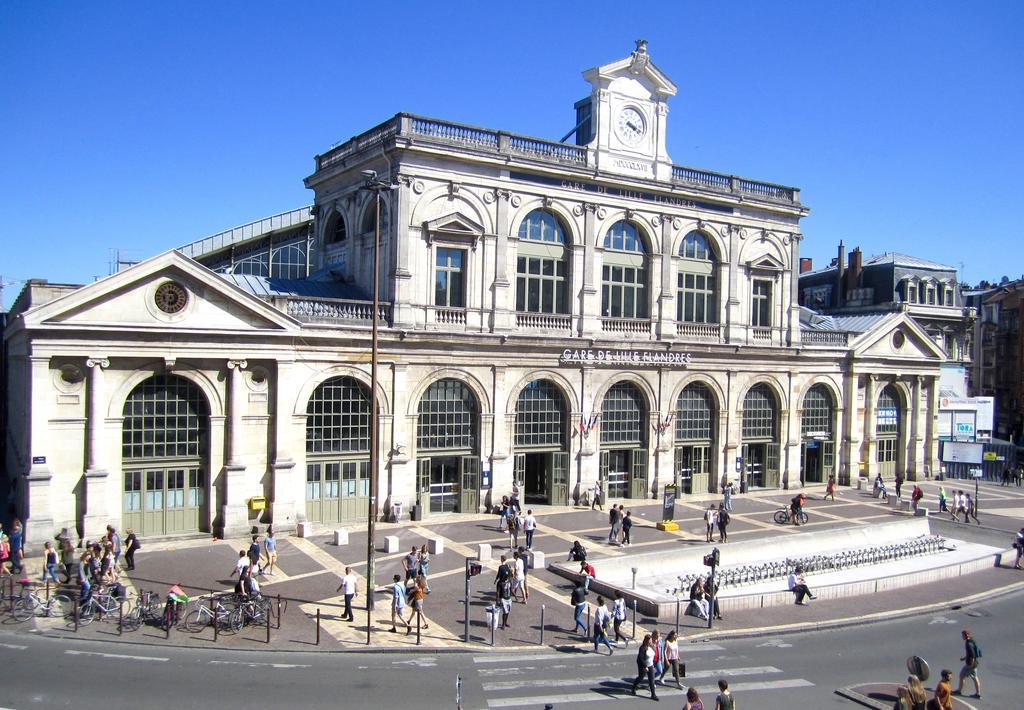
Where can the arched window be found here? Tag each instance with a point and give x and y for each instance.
(338, 417)
(697, 295)
(448, 415)
(695, 421)
(369, 221)
(818, 414)
(624, 273)
(887, 429)
(540, 416)
(336, 231)
(164, 440)
(622, 415)
(888, 411)
(760, 413)
(542, 265)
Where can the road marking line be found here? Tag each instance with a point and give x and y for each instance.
(254, 664)
(115, 655)
(573, 682)
(622, 693)
(515, 658)
(15, 646)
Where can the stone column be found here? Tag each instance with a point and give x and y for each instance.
(849, 453)
(401, 295)
(591, 306)
(870, 447)
(289, 494)
(932, 440)
(735, 328)
(503, 318)
(39, 516)
(791, 433)
(234, 512)
(915, 465)
(97, 516)
(666, 312)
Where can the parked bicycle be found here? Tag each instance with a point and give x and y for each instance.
(782, 516)
(255, 610)
(101, 603)
(203, 615)
(29, 603)
(147, 607)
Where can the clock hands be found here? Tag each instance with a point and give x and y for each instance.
(632, 125)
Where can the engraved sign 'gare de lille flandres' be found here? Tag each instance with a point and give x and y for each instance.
(617, 358)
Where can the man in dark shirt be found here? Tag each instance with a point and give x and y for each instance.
(504, 575)
(970, 669)
(579, 603)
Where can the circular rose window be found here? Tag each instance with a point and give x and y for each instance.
(170, 297)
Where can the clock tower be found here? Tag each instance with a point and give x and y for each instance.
(623, 119)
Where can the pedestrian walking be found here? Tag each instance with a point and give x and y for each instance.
(915, 498)
(16, 540)
(505, 602)
(671, 661)
(423, 566)
(724, 701)
(614, 521)
(419, 595)
(723, 524)
(601, 618)
(710, 519)
(971, 509)
(1018, 544)
(958, 503)
(255, 551)
(627, 525)
(348, 589)
(1005, 480)
(727, 497)
(971, 657)
(918, 698)
(943, 505)
(658, 644)
(899, 485)
(49, 562)
(530, 527)
(944, 691)
(578, 599)
(525, 557)
(398, 604)
(519, 575)
(645, 667)
(115, 543)
(131, 546)
(597, 496)
(505, 574)
(618, 616)
(830, 488)
(515, 524)
(410, 564)
(693, 701)
(241, 564)
(270, 551)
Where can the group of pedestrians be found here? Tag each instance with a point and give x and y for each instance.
(12, 548)
(98, 565)
(1015, 476)
(512, 521)
(620, 523)
(717, 517)
(656, 657)
(964, 504)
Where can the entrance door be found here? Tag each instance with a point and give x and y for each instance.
(164, 501)
(692, 465)
(638, 479)
(812, 462)
(355, 490)
(887, 457)
(535, 481)
(444, 484)
(756, 457)
(617, 479)
(558, 493)
(469, 501)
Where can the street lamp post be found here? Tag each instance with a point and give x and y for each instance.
(376, 186)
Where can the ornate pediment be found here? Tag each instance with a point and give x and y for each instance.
(765, 263)
(454, 226)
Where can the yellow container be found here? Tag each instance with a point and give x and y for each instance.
(258, 503)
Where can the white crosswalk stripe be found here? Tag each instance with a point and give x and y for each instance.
(531, 680)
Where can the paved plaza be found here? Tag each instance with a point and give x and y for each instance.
(309, 571)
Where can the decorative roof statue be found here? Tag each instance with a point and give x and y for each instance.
(640, 58)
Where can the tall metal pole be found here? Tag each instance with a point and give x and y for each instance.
(374, 184)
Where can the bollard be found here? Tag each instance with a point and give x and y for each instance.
(279, 611)
(77, 613)
(47, 590)
(541, 624)
(633, 637)
(216, 622)
(677, 616)
(318, 626)
(213, 614)
(493, 625)
(588, 620)
(120, 618)
(419, 618)
(268, 625)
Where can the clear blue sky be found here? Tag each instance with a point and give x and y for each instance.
(146, 128)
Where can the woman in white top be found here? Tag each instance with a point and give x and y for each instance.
(711, 518)
(671, 658)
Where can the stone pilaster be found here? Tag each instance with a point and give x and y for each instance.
(234, 511)
(96, 516)
(39, 516)
(288, 485)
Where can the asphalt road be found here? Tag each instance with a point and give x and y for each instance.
(773, 672)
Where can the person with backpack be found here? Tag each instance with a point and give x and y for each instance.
(398, 605)
(915, 497)
(515, 523)
(627, 525)
(618, 616)
(254, 555)
(131, 546)
(503, 576)
(723, 523)
(601, 618)
(578, 599)
(972, 654)
(577, 553)
(613, 521)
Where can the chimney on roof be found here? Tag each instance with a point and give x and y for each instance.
(805, 264)
(840, 273)
(856, 269)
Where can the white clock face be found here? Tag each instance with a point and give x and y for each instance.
(631, 126)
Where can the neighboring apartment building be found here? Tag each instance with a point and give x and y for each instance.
(552, 314)
(1000, 372)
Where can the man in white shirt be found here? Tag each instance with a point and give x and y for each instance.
(348, 588)
(240, 565)
(529, 525)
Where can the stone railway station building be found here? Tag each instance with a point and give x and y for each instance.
(552, 313)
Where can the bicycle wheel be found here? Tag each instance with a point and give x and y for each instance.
(803, 518)
(197, 620)
(60, 606)
(781, 517)
(87, 613)
(237, 618)
(25, 608)
(132, 620)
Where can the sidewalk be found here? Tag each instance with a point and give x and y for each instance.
(310, 569)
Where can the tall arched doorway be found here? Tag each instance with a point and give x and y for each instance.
(888, 416)
(817, 430)
(624, 442)
(695, 438)
(338, 451)
(761, 437)
(447, 444)
(542, 457)
(164, 449)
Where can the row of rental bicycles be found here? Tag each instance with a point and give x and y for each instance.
(228, 612)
